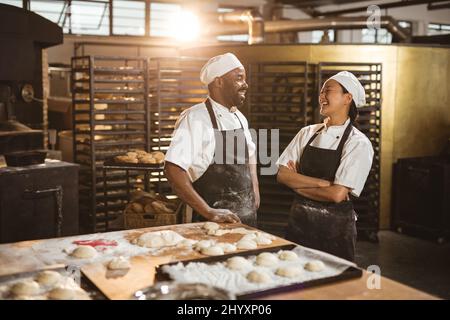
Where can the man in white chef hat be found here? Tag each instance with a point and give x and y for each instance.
(324, 164)
(210, 163)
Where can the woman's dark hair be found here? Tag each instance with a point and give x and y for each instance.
(353, 112)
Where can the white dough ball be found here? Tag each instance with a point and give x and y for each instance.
(241, 230)
(264, 234)
(288, 272)
(287, 255)
(314, 266)
(158, 239)
(25, 288)
(84, 252)
(62, 294)
(238, 263)
(221, 232)
(211, 226)
(258, 277)
(187, 243)
(119, 263)
(227, 247)
(246, 245)
(48, 278)
(262, 240)
(202, 244)
(267, 259)
(249, 236)
(213, 251)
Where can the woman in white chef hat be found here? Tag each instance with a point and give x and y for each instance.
(324, 164)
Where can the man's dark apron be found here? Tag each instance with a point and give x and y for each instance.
(325, 226)
(228, 185)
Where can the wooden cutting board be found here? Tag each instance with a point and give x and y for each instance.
(121, 284)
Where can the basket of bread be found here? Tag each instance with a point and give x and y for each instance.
(147, 209)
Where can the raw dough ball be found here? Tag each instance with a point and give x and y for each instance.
(186, 243)
(48, 278)
(227, 247)
(221, 232)
(241, 230)
(266, 235)
(119, 263)
(262, 240)
(288, 272)
(287, 255)
(267, 259)
(84, 252)
(62, 294)
(314, 266)
(238, 263)
(213, 251)
(246, 245)
(202, 244)
(250, 236)
(258, 277)
(158, 239)
(25, 288)
(211, 226)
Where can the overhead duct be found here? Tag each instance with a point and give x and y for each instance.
(336, 23)
(254, 20)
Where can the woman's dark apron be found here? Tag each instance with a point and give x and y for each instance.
(228, 185)
(325, 226)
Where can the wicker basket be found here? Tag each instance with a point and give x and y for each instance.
(143, 220)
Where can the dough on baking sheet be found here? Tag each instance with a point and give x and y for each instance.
(119, 263)
(258, 277)
(62, 294)
(25, 288)
(267, 259)
(314, 266)
(227, 247)
(213, 251)
(202, 244)
(238, 263)
(84, 252)
(246, 245)
(289, 272)
(158, 239)
(264, 234)
(48, 278)
(287, 255)
(211, 226)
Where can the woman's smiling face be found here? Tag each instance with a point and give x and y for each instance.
(332, 98)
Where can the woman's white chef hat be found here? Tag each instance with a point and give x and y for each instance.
(217, 66)
(353, 86)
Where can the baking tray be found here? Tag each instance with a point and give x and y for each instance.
(349, 273)
(112, 164)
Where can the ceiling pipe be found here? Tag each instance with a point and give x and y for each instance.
(253, 19)
(397, 4)
(279, 26)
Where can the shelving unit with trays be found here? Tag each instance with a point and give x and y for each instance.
(279, 97)
(174, 86)
(367, 206)
(110, 117)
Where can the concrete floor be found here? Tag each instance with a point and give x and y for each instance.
(421, 264)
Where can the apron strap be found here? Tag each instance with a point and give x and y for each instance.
(314, 136)
(344, 139)
(211, 114)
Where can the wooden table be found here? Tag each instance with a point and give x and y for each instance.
(20, 257)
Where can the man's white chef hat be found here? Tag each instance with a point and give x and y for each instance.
(218, 66)
(353, 86)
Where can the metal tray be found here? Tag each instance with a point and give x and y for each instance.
(349, 273)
